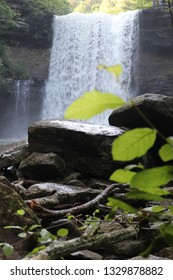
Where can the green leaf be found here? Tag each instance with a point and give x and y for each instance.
(154, 209)
(122, 176)
(113, 202)
(8, 249)
(62, 232)
(151, 178)
(91, 104)
(22, 234)
(36, 250)
(45, 236)
(137, 194)
(34, 227)
(166, 152)
(116, 69)
(21, 212)
(14, 227)
(133, 143)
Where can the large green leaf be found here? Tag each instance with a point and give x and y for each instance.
(91, 104)
(152, 178)
(122, 176)
(133, 143)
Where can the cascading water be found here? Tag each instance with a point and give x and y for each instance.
(21, 106)
(82, 42)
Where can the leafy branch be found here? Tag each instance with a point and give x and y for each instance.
(146, 184)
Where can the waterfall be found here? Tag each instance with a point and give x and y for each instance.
(81, 42)
(21, 107)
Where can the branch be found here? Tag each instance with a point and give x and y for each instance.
(58, 249)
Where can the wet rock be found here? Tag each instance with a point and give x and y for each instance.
(14, 156)
(157, 108)
(85, 148)
(42, 166)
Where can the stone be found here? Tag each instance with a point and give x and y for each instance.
(13, 156)
(157, 108)
(85, 148)
(42, 166)
(10, 202)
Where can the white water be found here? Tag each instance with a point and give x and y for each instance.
(81, 42)
(21, 106)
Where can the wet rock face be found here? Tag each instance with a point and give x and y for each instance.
(84, 148)
(155, 57)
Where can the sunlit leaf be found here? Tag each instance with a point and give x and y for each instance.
(154, 177)
(116, 69)
(91, 104)
(133, 143)
(21, 212)
(113, 202)
(62, 232)
(122, 176)
(166, 152)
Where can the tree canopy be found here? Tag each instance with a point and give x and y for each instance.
(108, 6)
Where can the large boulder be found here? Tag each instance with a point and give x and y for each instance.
(85, 148)
(157, 108)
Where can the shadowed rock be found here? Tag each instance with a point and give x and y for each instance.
(85, 148)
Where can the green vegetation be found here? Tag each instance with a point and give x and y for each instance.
(147, 184)
(7, 17)
(108, 6)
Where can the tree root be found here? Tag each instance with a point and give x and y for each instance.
(42, 212)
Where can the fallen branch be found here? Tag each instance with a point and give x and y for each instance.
(59, 249)
(43, 212)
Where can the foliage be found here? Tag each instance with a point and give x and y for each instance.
(144, 183)
(7, 17)
(108, 6)
(8, 69)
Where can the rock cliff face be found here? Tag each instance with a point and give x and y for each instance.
(27, 46)
(155, 64)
